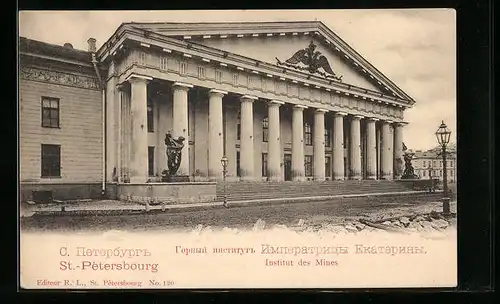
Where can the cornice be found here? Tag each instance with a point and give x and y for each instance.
(218, 56)
(225, 29)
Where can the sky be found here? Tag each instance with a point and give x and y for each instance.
(414, 48)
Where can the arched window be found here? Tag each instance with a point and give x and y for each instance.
(265, 129)
(308, 134)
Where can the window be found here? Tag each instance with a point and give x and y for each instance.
(235, 79)
(433, 163)
(150, 118)
(308, 165)
(142, 58)
(327, 137)
(264, 164)
(424, 163)
(51, 160)
(265, 129)
(238, 126)
(440, 163)
(201, 72)
(182, 68)
(151, 161)
(163, 63)
(308, 134)
(238, 171)
(451, 164)
(50, 112)
(328, 166)
(451, 173)
(218, 76)
(425, 173)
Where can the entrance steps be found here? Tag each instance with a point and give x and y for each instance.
(236, 191)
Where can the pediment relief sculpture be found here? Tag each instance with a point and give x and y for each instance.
(313, 61)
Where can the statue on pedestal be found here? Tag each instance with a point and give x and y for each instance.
(174, 155)
(409, 172)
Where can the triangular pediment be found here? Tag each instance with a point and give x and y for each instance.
(307, 47)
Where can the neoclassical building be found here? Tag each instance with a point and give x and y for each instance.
(282, 101)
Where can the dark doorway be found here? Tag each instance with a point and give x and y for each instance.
(288, 167)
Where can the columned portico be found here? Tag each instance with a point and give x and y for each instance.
(355, 148)
(319, 144)
(387, 151)
(274, 143)
(398, 150)
(247, 140)
(371, 149)
(215, 134)
(338, 145)
(298, 170)
(138, 112)
(180, 122)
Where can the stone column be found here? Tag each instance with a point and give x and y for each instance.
(319, 145)
(355, 148)
(398, 150)
(386, 158)
(139, 115)
(180, 123)
(215, 134)
(246, 139)
(298, 169)
(121, 97)
(371, 148)
(338, 145)
(274, 142)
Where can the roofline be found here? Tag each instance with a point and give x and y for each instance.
(324, 30)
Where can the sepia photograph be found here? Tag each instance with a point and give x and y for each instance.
(237, 149)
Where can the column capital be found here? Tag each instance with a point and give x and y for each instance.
(299, 107)
(137, 77)
(358, 117)
(400, 123)
(340, 114)
(275, 103)
(217, 92)
(319, 110)
(372, 119)
(388, 122)
(182, 85)
(250, 98)
(120, 87)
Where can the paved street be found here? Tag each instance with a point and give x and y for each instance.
(236, 217)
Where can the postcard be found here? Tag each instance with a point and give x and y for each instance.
(237, 149)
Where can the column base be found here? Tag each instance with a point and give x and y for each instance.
(275, 179)
(319, 179)
(355, 178)
(298, 178)
(371, 178)
(247, 178)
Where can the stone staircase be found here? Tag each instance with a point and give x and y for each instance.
(236, 191)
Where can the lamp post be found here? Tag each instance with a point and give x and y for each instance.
(443, 138)
(224, 171)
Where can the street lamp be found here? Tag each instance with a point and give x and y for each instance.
(443, 138)
(224, 162)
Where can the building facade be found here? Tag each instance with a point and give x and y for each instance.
(429, 164)
(282, 101)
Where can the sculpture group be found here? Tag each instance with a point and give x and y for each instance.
(174, 155)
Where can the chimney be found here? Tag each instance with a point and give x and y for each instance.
(91, 43)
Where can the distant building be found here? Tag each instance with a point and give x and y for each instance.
(431, 162)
